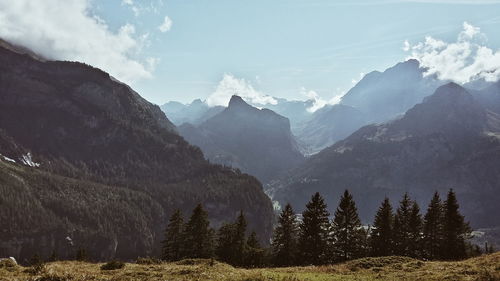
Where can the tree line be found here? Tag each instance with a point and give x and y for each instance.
(312, 238)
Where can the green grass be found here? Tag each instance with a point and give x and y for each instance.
(388, 268)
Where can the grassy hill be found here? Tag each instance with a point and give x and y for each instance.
(387, 268)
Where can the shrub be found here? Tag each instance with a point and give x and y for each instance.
(7, 263)
(112, 265)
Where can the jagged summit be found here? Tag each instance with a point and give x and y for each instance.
(237, 102)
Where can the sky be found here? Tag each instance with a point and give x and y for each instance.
(297, 49)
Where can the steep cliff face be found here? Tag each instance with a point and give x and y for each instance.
(85, 159)
(447, 141)
(258, 142)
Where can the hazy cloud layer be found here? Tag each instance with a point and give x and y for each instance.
(465, 60)
(319, 102)
(65, 30)
(230, 85)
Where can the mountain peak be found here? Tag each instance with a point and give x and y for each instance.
(237, 101)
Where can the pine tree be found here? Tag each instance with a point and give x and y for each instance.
(174, 238)
(433, 229)
(313, 237)
(198, 235)
(255, 254)
(346, 231)
(239, 242)
(225, 238)
(415, 231)
(455, 230)
(381, 240)
(401, 231)
(284, 242)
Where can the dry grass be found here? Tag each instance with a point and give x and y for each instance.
(483, 268)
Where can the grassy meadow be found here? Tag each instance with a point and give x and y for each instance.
(485, 268)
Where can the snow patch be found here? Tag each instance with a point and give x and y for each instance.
(26, 160)
(8, 159)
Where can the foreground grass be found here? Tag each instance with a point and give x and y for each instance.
(387, 268)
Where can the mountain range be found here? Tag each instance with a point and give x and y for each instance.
(85, 162)
(450, 140)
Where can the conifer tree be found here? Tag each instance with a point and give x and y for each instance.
(347, 232)
(455, 230)
(225, 238)
(198, 235)
(284, 242)
(313, 234)
(381, 235)
(174, 238)
(239, 242)
(415, 231)
(254, 254)
(401, 231)
(433, 229)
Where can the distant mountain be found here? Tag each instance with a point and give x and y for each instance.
(296, 111)
(489, 97)
(378, 97)
(329, 125)
(194, 113)
(86, 162)
(385, 95)
(447, 141)
(257, 141)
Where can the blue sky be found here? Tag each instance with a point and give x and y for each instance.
(281, 48)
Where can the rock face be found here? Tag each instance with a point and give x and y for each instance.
(258, 142)
(447, 141)
(86, 162)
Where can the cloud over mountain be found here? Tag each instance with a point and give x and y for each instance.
(462, 61)
(67, 30)
(231, 85)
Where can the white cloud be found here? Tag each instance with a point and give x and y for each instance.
(230, 85)
(462, 61)
(66, 30)
(319, 102)
(166, 25)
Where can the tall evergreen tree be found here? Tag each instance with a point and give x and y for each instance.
(455, 229)
(198, 235)
(347, 233)
(401, 231)
(225, 238)
(239, 241)
(381, 235)
(174, 238)
(433, 229)
(284, 242)
(254, 254)
(415, 231)
(314, 228)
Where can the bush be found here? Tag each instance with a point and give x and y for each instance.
(147, 261)
(7, 263)
(112, 265)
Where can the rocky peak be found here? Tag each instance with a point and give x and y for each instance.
(237, 102)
